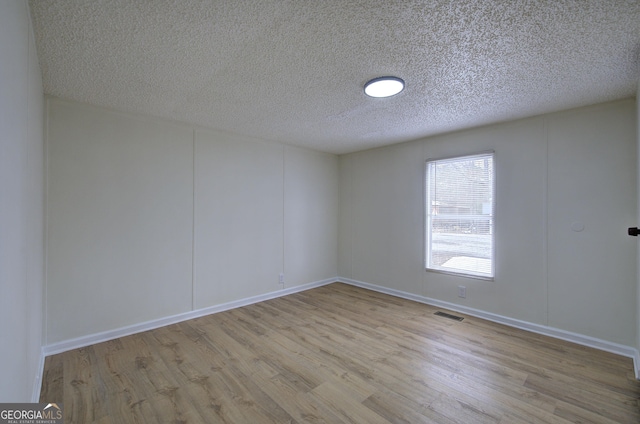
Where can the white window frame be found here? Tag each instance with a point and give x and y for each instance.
(428, 219)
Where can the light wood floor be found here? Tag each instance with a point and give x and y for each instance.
(340, 354)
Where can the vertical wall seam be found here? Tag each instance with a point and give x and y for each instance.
(26, 201)
(284, 193)
(45, 237)
(193, 222)
(27, 185)
(344, 217)
(423, 209)
(46, 224)
(348, 213)
(26, 190)
(351, 215)
(545, 223)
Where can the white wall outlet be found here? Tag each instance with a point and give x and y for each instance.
(281, 278)
(462, 291)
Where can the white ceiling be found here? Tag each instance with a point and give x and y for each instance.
(293, 71)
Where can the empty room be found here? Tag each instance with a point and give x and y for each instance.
(217, 211)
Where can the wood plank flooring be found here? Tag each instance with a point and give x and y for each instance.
(340, 354)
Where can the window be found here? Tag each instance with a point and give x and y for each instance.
(459, 215)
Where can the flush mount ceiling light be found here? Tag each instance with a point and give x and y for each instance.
(384, 87)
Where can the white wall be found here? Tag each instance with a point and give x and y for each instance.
(239, 210)
(120, 220)
(384, 203)
(551, 170)
(637, 224)
(592, 180)
(21, 205)
(310, 215)
(149, 218)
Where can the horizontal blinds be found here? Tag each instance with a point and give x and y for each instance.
(459, 209)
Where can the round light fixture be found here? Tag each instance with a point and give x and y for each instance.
(384, 87)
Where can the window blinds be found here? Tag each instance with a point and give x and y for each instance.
(459, 215)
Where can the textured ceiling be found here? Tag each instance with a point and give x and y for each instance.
(293, 71)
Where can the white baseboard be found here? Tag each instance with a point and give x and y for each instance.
(104, 336)
(581, 339)
(557, 333)
(37, 384)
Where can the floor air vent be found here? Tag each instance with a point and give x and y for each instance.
(446, 315)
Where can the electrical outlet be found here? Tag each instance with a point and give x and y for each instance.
(462, 291)
(281, 278)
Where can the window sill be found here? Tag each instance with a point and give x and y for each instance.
(461, 274)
